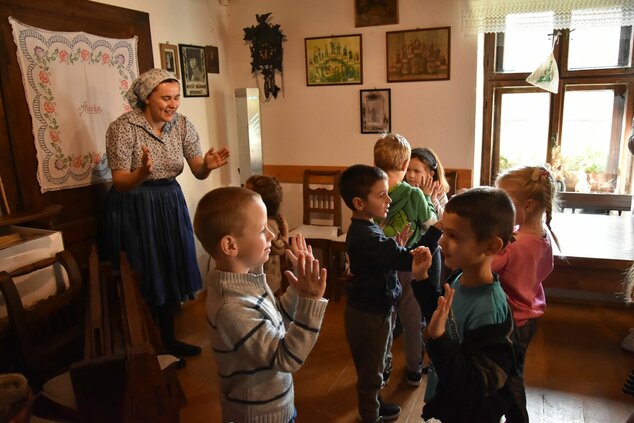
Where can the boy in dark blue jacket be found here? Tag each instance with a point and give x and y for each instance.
(373, 288)
(469, 332)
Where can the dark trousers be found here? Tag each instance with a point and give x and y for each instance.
(522, 337)
(368, 335)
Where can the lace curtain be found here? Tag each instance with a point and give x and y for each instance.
(491, 15)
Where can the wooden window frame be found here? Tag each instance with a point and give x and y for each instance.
(497, 83)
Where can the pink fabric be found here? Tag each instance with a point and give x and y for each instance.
(523, 266)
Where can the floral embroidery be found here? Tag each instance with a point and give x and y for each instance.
(43, 59)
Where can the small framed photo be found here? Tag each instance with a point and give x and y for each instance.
(193, 68)
(334, 60)
(376, 111)
(372, 13)
(213, 63)
(418, 55)
(169, 58)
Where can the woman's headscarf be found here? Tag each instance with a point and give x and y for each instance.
(143, 86)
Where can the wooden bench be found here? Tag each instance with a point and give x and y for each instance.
(120, 379)
(595, 202)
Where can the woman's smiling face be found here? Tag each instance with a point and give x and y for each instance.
(163, 102)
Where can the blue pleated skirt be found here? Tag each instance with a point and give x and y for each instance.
(151, 223)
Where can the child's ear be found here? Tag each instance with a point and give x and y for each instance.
(494, 246)
(229, 246)
(358, 203)
(530, 205)
(405, 165)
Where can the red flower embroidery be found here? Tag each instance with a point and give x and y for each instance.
(85, 55)
(49, 107)
(54, 136)
(44, 77)
(105, 59)
(96, 158)
(77, 161)
(63, 56)
(124, 84)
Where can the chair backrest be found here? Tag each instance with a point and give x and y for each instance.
(47, 334)
(452, 179)
(322, 202)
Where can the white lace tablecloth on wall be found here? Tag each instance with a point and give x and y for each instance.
(75, 85)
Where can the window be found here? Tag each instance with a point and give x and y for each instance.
(583, 130)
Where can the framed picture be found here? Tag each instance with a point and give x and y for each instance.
(334, 60)
(418, 55)
(376, 111)
(169, 58)
(372, 13)
(213, 63)
(193, 67)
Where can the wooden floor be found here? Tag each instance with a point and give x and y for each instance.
(574, 371)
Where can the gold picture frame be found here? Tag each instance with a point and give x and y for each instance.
(334, 60)
(418, 54)
(169, 58)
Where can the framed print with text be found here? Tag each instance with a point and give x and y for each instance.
(193, 68)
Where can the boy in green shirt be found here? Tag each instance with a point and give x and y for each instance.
(410, 206)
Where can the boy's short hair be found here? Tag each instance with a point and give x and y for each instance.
(391, 152)
(489, 210)
(357, 181)
(219, 213)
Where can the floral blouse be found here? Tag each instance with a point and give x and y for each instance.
(131, 131)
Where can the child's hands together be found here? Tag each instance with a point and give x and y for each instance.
(436, 327)
(404, 235)
(310, 281)
(420, 263)
(298, 246)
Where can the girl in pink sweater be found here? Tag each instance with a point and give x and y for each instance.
(524, 264)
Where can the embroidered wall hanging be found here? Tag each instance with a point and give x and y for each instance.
(75, 85)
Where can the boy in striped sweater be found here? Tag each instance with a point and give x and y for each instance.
(258, 341)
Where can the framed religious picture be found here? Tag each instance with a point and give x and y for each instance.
(334, 60)
(418, 55)
(213, 63)
(376, 111)
(169, 58)
(193, 69)
(372, 13)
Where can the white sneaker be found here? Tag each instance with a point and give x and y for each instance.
(628, 341)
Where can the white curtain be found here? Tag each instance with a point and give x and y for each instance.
(480, 16)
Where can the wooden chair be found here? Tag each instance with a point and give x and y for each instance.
(322, 216)
(323, 202)
(48, 334)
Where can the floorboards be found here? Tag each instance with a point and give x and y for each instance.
(575, 370)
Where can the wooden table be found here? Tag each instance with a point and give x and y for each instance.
(596, 250)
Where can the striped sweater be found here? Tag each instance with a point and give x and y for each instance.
(258, 342)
